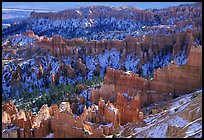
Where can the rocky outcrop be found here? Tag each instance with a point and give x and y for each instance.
(62, 122)
(166, 84)
(40, 72)
(81, 67)
(145, 46)
(158, 50)
(57, 46)
(66, 70)
(147, 91)
(109, 111)
(29, 33)
(191, 73)
(9, 108)
(16, 76)
(80, 87)
(128, 107)
(6, 118)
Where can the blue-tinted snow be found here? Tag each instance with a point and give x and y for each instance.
(131, 62)
(109, 58)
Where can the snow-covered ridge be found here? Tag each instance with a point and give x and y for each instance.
(181, 119)
(103, 22)
(19, 40)
(109, 58)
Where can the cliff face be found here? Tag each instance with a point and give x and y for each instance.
(147, 46)
(167, 83)
(133, 86)
(191, 73)
(158, 50)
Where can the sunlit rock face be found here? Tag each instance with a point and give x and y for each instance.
(10, 108)
(167, 83)
(191, 73)
(63, 123)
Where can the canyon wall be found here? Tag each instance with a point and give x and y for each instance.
(140, 45)
(185, 78)
(167, 83)
(117, 81)
(157, 50)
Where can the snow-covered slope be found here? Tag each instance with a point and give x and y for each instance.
(180, 118)
(103, 22)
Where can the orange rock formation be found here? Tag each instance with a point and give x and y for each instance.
(62, 122)
(167, 82)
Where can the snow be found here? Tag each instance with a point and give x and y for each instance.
(180, 103)
(30, 90)
(80, 109)
(156, 125)
(91, 21)
(22, 40)
(66, 59)
(5, 42)
(198, 136)
(187, 27)
(112, 108)
(178, 121)
(146, 69)
(125, 95)
(90, 12)
(62, 80)
(128, 72)
(109, 58)
(109, 125)
(85, 93)
(126, 27)
(151, 119)
(50, 135)
(181, 58)
(194, 129)
(90, 64)
(79, 12)
(55, 67)
(5, 88)
(131, 62)
(158, 131)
